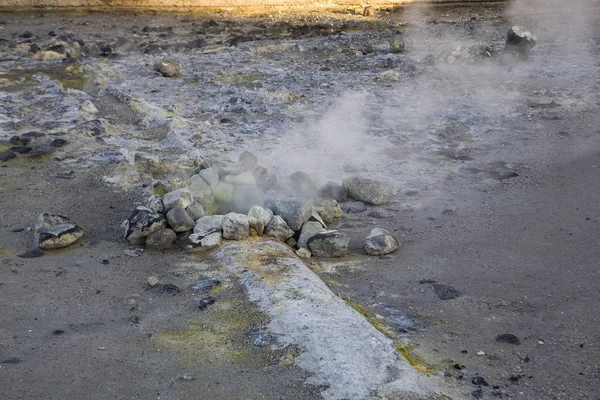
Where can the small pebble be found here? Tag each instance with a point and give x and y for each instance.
(205, 302)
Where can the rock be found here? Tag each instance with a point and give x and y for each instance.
(479, 381)
(248, 160)
(369, 11)
(168, 68)
(295, 212)
(33, 253)
(380, 213)
(292, 242)
(55, 231)
(155, 203)
(368, 190)
(19, 141)
(195, 210)
(303, 253)
(141, 223)
(235, 226)
(278, 229)
(521, 41)
(197, 242)
(265, 215)
(246, 196)
(58, 143)
(309, 229)
(21, 149)
(179, 220)
(397, 46)
(353, 207)
(244, 178)
(161, 239)
(328, 209)
(7, 155)
(445, 292)
(314, 216)
(329, 244)
(333, 190)
(380, 242)
(223, 192)
(196, 43)
(65, 175)
(205, 302)
(178, 198)
(208, 224)
(508, 338)
(265, 179)
(153, 281)
(204, 284)
(199, 188)
(210, 175)
(257, 224)
(302, 183)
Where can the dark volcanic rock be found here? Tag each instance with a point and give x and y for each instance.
(21, 149)
(141, 223)
(445, 292)
(56, 231)
(7, 155)
(58, 143)
(380, 242)
(520, 41)
(329, 244)
(508, 338)
(33, 253)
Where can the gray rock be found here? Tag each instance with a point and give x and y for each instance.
(198, 242)
(278, 229)
(179, 220)
(168, 68)
(353, 207)
(380, 213)
(7, 155)
(195, 210)
(55, 231)
(246, 196)
(295, 212)
(396, 45)
(155, 203)
(292, 242)
(303, 253)
(223, 192)
(329, 244)
(315, 217)
(302, 183)
(257, 224)
(520, 40)
(328, 209)
(210, 175)
(248, 160)
(244, 178)
(368, 190)
(235, 226)
(161, 239)
(333, 190)
(208, 224)
(265, 178)
(142, 222)
(309, 229)
(265, 215)
(178, 198)
(380, 242)
(199, 188)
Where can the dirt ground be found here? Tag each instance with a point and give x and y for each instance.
(496, 169)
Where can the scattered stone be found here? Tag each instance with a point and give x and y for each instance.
(168, 288)
(521, 41)
(265, 215)
(246, 196)
(161, 239)
(168, 68)
(380, 213)
(210, 175)
(328, 209)
(11, 360)
(19, 141)
(309, 229)
(397, 46)
(248, 160)
(58, 143)
(260, 338)
(195, 211)
(333, 190)
(198, 242)
(265, 179)
(55, 231)
(204, 284)
(368, 190)
(178, 198)
(257, 225)
(329, 244)
(33, 253)
(479, 381)
(295, 212)
(15, 230)
(153, 281)
(186, 377)
(508, 338)
(235, 226)
(141, 223)
(133, 252)
(134, 319)
(155, 203)
(21, 149)
(380, 242)
(65, 175)
(179, 220)
(302, 183)
(7, 155)
(445, 292)
(205, 302)
(208, 224)
(353, 207)
(303, 253)
(278, 229)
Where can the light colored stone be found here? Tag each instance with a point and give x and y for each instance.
(235, 226)
(265, 215)
(257, 224)
(295, 212)
(179, 220)
(328, 209)
(380, 242)
(178, 198)
(210, 175)
(309, 229)
(167, 68)
(155, 204)
(161, 239)
(208, 224)
(195, 210)
(278, 229)
(55, 231)
(142, 222)
(197, 242)
(303, 253)
(368, 190)
(199, 188)
(329, 244)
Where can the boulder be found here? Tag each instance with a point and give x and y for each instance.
(195, 210)
(248, 160)
(208, 224)
(328, 209)
(179, 220)
(265, 179)
(155, 203)
(368, 190)
(278, 229)
(198, 242)
(142, 222)
(309, 229)
(223, 192)
(55, 231)
(329, 244)
(161, 239)
(265, 215)
(210, 175)
(199, 188)
(380, 242)
(302, 183)
(246, 196)
(333, 190)
(235, 226)
(257, 224)
(520, 40)
(295, 212)
(178, 198)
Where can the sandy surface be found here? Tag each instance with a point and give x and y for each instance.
(523, 252)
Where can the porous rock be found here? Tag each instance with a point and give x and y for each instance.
(161, 239)
(278, 229)
(142, 222)
(380, 242)
(265, 215)
(179, 220)
(235, 226)
(295, 212)
(328, 209)
(208, 224)
(368, 190)
(55, 231)
(329, 244)
(178, 198)
(309, 229)
(198, 242)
